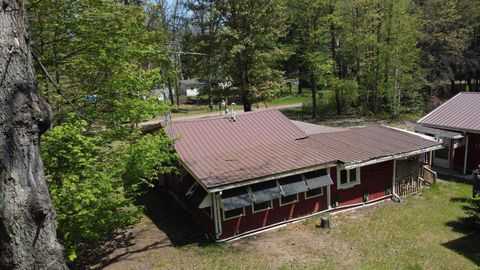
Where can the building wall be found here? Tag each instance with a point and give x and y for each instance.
(204, 217)
(473, 158)
(251, 221)
(374, 179)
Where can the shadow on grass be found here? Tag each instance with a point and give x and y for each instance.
(469, 244)
(168, 216)
(172, 219)
(99, 259)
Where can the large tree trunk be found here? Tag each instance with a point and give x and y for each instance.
(27, 219)
(247, 104)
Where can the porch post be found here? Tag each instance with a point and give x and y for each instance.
(393, 176)
(466, 155)
(452, 155)
(430, 159)
(329, 199)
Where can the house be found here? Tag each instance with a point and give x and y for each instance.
(262, 170)
(457, 124)
(192, 87)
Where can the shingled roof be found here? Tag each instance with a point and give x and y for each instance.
(461, 112)
(220, 152)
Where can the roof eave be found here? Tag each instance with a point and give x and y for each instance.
(272, 177)
(353, 165)
(465, 130)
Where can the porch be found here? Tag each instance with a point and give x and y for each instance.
(410, 175)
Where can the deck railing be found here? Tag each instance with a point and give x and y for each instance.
(427, 175)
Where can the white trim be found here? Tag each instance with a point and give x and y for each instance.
(329, 196)
(349, 184)
(261, 210)
(465, 160)
(421, 135)
(388, 158)
(452, 128)
(241, 215)
(206, 202)
(313, 196)
(296, 220)
(296, 200)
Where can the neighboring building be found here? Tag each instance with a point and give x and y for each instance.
(457, 124)
(192, 87)
(261, 171)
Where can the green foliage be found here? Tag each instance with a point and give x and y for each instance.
(146, 160)
(252, 48)
(106, 62)
(85, 186)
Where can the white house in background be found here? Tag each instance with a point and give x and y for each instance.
(192, 87)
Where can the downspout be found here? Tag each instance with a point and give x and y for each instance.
(215, 213)
(219, 215)
(466, 155)
(395, 196)
(329, 197)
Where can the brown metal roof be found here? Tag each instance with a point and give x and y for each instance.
(367, 143)
(213, 135)
(438, 133)
(462, 112)
(265, 143)
(310, 128)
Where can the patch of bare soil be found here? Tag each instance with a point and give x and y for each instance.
(161, 246)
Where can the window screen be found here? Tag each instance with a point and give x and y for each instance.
(289, 199)
(262, 206)
(343, 177)
(233, 213)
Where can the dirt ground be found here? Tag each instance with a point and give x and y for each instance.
(176, 243)
(427, 231)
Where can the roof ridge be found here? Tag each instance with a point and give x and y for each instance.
(216, 117)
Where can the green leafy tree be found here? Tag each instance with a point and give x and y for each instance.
(86, 189)
(103, 60)
(253, 51)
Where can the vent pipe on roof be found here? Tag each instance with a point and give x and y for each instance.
(234, 114)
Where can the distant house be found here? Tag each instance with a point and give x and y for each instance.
(457, 124)
(192, 87)
(262, 170)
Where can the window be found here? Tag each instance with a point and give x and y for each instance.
(258, 207)
(234, 213)
(289, 199)
(314, 193)
(349, 178)
(442, 153)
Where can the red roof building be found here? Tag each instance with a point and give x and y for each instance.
(263, 170)
(456, 123)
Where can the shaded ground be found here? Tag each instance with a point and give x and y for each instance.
(428, 231)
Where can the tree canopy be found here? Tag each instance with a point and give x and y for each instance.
(98, 62)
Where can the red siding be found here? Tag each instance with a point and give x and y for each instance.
(277, 214)
(374, 180)
(473, 159)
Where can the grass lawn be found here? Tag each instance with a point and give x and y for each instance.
(427, 231)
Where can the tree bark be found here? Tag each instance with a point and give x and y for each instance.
(27, 219)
